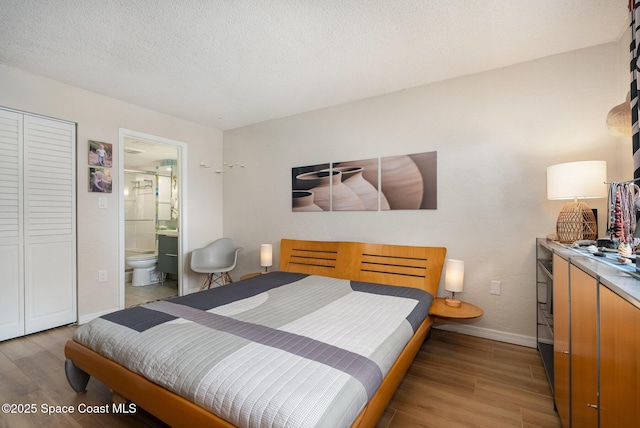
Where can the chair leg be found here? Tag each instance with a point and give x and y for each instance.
(211, 278)
(204, 282)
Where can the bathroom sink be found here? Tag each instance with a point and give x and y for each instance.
(168, 232)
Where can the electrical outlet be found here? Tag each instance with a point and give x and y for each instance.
(495, 287)
(102, 276)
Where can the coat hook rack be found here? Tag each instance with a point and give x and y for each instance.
(226, 166)
(231, 165)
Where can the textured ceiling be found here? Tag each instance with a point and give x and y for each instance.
(229, 63)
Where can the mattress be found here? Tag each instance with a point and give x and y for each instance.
(276, 350)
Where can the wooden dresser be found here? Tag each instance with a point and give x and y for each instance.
(596, 340)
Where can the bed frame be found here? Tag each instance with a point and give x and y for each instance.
(417, 267)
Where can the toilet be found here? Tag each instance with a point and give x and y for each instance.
(144, 269)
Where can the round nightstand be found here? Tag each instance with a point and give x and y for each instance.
(466, 310)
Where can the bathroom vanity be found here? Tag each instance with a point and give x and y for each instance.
(168, 252)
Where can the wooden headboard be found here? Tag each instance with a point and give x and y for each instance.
(418, 267)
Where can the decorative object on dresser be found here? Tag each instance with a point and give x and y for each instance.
(266, 256)
(573, 181)
(621, 222)
(454, 280)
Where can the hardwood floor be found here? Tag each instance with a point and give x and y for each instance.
(464, 381)
(456, 381)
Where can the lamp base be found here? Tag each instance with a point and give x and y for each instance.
(454, 303)
(576, 222)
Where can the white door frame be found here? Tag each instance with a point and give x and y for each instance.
(182, 218)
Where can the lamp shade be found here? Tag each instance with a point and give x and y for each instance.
(577, 180)
(454, 275)
(266, 255)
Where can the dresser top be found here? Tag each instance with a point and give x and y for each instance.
(620, 278)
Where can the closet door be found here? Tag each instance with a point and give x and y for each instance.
(11, 263)
(49, 223)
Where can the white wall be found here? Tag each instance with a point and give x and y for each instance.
(495, 134)
(99, 118)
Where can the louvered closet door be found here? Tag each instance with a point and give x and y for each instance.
(49, 223)
(11, 265)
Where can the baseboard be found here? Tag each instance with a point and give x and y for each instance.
(486, 333)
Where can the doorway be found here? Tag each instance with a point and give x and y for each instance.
(152, 216)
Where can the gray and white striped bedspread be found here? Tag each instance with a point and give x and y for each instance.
(276, 350)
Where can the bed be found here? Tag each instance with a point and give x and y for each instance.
(289, 356)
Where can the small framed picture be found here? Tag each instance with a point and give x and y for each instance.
(100, 180)
(100, 154)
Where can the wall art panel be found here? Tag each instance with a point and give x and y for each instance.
(409, 182)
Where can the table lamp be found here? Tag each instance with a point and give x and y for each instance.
(266, 256)
(453, 281)
(573, 181)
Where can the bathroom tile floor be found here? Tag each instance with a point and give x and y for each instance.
(149, 293)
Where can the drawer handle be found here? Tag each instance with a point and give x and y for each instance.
(593, 406)
(565, 352)
(171, 255)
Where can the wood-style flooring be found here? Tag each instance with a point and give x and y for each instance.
(464, 381)
(456, 381)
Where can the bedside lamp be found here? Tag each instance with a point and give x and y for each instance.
(573, 181)
(453, 281)
(266, 256)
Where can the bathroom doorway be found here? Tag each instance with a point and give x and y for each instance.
(152, 224)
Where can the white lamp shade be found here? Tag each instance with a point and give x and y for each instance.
(266, 255)
(454, 275)
(581, 180)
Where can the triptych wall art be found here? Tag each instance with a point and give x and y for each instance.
(407, 182)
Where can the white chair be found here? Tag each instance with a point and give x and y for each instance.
(216, 260)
